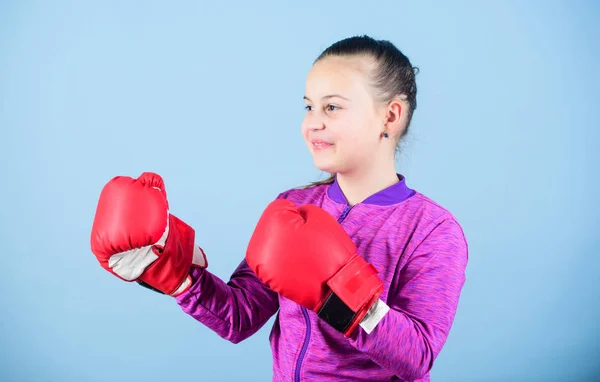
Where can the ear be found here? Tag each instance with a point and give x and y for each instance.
(396, 116)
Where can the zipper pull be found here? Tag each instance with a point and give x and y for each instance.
(344, 213)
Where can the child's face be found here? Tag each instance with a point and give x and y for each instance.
(342, 125)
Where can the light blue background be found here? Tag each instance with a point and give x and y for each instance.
(506, 136)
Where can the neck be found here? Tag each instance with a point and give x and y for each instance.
(358, 186)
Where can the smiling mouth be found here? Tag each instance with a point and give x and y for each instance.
(321, 145)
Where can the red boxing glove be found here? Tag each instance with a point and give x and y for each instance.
(304, 254)
(136, 238)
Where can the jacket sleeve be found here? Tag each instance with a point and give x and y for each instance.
(234, 310)
(423, 300)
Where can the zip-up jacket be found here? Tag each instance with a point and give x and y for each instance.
(421, 254)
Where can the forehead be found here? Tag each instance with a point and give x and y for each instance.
(347, 76)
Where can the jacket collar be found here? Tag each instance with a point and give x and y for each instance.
(393, 194)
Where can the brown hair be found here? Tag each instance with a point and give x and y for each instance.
(394, 75)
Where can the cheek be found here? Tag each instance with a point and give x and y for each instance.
(360, 139)
(354, 132)
(304, 130)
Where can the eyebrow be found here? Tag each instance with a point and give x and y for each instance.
(330, 96)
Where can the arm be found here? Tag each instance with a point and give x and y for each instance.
(234, 310)
(423, 302)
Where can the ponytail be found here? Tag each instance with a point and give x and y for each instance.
(329, 180)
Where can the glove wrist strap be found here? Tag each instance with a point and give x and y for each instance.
(336, 313)
(339, 316)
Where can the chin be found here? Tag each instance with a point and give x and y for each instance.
(326, 166)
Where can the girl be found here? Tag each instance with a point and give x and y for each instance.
(360, 97)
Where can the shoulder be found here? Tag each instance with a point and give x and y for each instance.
(425, 210)
(434, 224)
(420, 218)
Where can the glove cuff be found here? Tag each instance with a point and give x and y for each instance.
(337, 314)
(354, 290)
(187, 283)
(169, 272)
(199, 259)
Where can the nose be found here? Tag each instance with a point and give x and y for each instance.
(313, 122)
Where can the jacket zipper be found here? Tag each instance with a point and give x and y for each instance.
(304, 346)
(307, 318)
(344, 213)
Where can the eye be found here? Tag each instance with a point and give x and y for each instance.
(331, 107)
(308, 107)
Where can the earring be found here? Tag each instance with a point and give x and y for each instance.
(385, 134)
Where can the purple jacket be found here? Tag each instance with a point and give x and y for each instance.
(421, 254)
